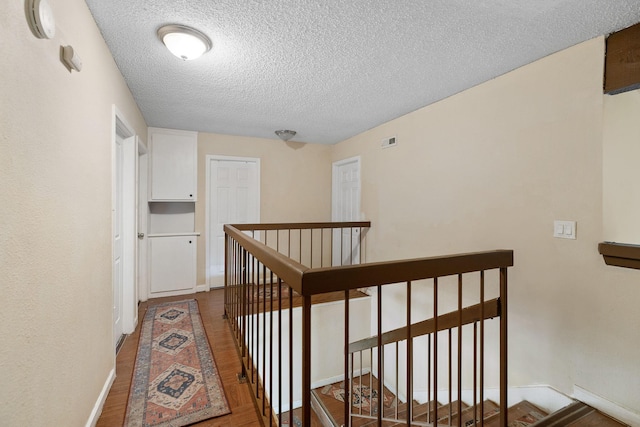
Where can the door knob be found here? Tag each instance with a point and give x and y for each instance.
(140, 235)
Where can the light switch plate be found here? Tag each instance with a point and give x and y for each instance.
(564, 229)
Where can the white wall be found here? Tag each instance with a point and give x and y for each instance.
(55, 238)
(621, 167)
(492, 167)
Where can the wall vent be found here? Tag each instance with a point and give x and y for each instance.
(389, 142)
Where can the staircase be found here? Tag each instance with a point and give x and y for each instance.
(440, 332)
(327, 403)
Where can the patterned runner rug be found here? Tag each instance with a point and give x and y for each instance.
(175, 379)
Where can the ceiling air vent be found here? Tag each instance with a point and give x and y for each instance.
(389, 142)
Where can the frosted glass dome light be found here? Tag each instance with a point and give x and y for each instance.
(184, 42)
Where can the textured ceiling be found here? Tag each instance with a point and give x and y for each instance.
(331, 69)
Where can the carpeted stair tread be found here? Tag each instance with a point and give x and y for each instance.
(595, 419)
(330, 400)
(521, 414)
(297, 419)
(420, 411)
(490, 408)
(443, 411)
(577, 414)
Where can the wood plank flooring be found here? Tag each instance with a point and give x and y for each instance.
(211, 304)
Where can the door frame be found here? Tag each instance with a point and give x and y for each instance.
(208, 238)
(334, 184)
(123, 129)
(142, 270)
(335, 200)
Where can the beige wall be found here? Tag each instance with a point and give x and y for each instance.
(55, 244)
(295, 181)
(492, 167)
(621, 167)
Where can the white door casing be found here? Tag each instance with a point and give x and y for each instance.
(345, 206)
(233, 196)
(124, 226)
(129, 230)
(141, 232)
(118, 260)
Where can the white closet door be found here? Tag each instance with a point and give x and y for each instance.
(233, 198)
(346, 207)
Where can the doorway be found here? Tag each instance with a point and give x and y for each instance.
(233, 197)
(345, 206)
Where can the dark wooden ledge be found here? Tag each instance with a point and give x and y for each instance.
(620, 254)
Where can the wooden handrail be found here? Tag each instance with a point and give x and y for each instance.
(302, 225)
(315, 281)
(282, 266)
(330, 279)
(446, 321)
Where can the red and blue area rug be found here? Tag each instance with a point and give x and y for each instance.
(175, 379)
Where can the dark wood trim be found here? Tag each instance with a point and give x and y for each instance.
(331, 279)
(302, 225)
(445, 321)
(622, 61)
(620, 254)
(283, 267)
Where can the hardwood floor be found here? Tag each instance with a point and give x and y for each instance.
(211, 304)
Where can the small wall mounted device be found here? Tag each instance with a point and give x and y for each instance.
(71, 58)
(389, 142)
(40, 17)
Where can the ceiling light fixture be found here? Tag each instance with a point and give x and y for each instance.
(285, 134)
(184, 42)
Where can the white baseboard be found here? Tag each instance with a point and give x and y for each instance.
(97, 408)
(202, 288)
(606, 406)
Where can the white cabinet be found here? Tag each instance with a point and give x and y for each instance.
(172, 186)
(172, 264)
(173, 171)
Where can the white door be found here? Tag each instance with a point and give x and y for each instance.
(233, 197)
(346, 207)
(118, 241)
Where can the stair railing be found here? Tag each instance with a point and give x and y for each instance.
(273, 268)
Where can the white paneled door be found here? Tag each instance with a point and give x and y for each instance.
(233, 197)
(346, 207)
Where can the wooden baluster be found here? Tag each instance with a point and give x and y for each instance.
(450, 405)
(503, 347)
(380, 359)
(409, 359)
(482, 348)
(435, 347)
(290, 354)
(459, 350)
(347, 386)
(306, 360)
